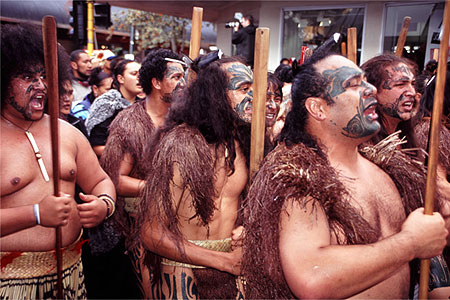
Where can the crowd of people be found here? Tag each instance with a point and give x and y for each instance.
(156, 200)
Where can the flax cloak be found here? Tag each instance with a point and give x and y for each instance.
(186, 147)
(297, 172)
(130, 132)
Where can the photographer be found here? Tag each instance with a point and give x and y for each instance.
(244, 39)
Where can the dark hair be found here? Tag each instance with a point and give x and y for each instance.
(21, 47)
(283, 59)
(114, 62)
(431, 67)
(426, 103)
(75, 54)
(154, 66)
(375, 69)
(206, 106)
(64, 68)
(249, 18)
(307, 83)
(284, 73)
(97, 76)
(118, 70)
(273, 80)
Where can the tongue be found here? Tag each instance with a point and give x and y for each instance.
(36, 104)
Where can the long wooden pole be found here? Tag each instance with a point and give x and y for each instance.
(196, 35)
(259, 98)
(434, 140)
(51, 70)
(352, 44)
(90, 27)
(402, 37)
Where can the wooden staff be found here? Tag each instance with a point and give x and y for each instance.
(402, 37)
(259, 99)
(344, 49)
(434, 141)
(352, 45)
(51, 69)
(196, 35)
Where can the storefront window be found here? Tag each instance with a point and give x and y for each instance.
(423, 33)
(311, 27)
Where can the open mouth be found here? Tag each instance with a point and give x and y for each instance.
(408, 105)
(37, 102)
(270, 116)
(370, 112)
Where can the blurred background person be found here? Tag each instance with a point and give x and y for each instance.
(100, 82)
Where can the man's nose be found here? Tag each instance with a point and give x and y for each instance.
(370, 90)
(41, 84)
(270, 103)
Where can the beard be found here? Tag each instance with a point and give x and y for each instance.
(26, 111)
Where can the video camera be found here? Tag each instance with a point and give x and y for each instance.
(237, 18)
(231, 24)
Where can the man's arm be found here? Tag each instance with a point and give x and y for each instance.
(53, 211)
(314, 268)
(237, 37)
(128, 186)
(94, 181)
(158, 239)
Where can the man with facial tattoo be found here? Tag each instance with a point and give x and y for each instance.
(398, 109)
(29, 210)
(323, 219)
(161, 77)
(197, 170)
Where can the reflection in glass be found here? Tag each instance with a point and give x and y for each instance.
(312, 27)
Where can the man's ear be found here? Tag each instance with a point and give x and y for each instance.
(156, 83)
(317, 108)
(74, 65)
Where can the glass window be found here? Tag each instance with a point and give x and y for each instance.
(311, 27)
(423, 32)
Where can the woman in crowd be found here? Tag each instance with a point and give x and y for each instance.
(125, 92)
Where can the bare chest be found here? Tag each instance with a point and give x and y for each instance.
(375, 195)
(23, 165)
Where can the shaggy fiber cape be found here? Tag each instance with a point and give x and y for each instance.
(129, 133)
(187, 148)
(299, 173)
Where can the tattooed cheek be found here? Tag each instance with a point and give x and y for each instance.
(332, 122)
(29, 89)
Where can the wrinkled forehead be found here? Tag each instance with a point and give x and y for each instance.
(238, 71)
